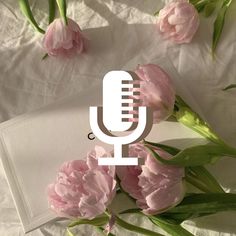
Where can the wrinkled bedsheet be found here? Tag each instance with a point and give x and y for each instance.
(118, 32)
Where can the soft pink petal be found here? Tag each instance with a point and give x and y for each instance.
(64, 40)
(82, 188)
(175, 21)
(155, 186)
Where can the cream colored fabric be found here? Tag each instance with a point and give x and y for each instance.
(119, 31)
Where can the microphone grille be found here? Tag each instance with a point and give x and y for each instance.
(120, 93)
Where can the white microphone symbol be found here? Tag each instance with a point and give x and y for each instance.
(120, 112)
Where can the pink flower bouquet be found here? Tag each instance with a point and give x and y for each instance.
(84, 191)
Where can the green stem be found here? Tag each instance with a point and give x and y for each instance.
(135, 228)
(192, 120)
(231, 151)
(196, 183)
(25, 9)
(201, 3)
(62, 9)
(170, 228)
(201, 174)
(185, 115)
(52, 10)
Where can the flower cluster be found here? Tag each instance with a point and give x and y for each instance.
(177, 21)
(83, 190)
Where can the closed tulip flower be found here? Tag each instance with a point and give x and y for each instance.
(156, 187)
(156, 91)
(64, 40)
(178, 21)
(82, 188)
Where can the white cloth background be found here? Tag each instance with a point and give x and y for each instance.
(118, 31)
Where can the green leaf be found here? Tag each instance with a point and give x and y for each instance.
(185, 115)
(200, 5)
(62, 9)
(171, 150)
(180, 102)
(198, 205)
(198, 176)
(193, 156)
(219, 24)
(99, 221)
(25, 9)
(197, 183)
(194, 1)
(229, 87)
(206, 203)
(203, 177)
(170, 227)
(135, 228)
(52, 10)
(209, 8)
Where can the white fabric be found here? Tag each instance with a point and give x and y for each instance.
(118, 31)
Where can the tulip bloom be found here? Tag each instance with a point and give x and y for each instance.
(82, 188)
(178, 21)
(64, 40)
(155, 186)
(156, 91)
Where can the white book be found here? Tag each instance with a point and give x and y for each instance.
(33, 147)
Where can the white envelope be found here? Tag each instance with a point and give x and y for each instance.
(34, 145)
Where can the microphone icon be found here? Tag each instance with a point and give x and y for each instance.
(120, 113)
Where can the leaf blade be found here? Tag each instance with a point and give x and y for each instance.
(198, 205)
(193, 156)
(203, 175)
(171, 150)
(219, 24)
(231, 86)
(170, 228)
(209, 9)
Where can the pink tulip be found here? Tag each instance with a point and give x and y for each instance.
(155, 186)
(156, 91)
(82, 188)
(178, 21)
(64, 40)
